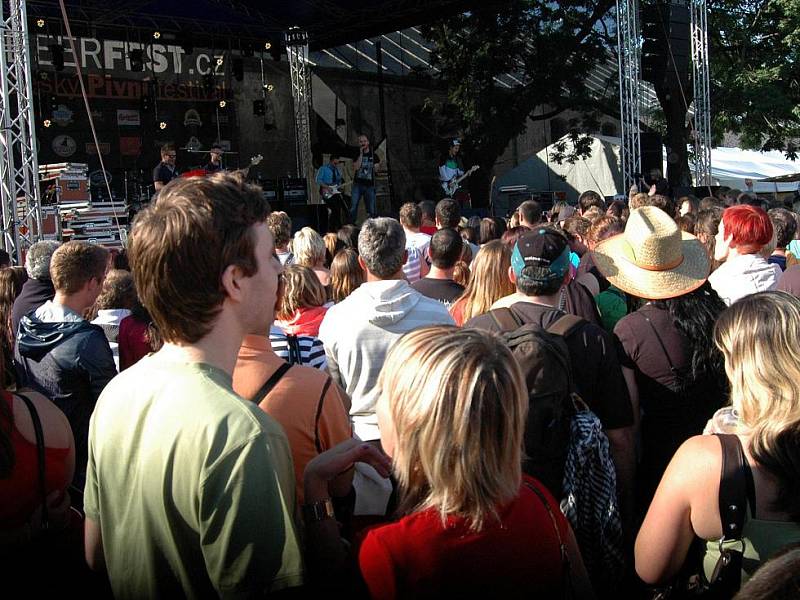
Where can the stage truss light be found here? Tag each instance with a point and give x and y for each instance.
(47, 123)
(219, 61)
(267, 45)
(162, 125)
(40, 23)
(270, 87)
(156, 35)
(222, 103)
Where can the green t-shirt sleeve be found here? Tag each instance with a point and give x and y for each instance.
(243, 520)
(90, 500)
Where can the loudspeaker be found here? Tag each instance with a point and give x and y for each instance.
(293, 190)
(306, 215)
(650, 147)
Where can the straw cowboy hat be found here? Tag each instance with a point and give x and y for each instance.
(653, 259)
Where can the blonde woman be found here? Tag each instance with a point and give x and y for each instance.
(758, 336)
(346, 274)
(488, 282)
(301, 306)
(309, 250)
(452, 412)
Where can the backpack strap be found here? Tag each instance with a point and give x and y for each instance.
(317, 442)
(506, 319)
(37, 428)
(732, 487)
(565, 564)
(270, 383)
(565, 325)
(293, 344)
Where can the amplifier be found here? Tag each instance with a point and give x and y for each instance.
(293, 190)
(269, 188)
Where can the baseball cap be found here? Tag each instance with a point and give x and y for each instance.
(455, 142)
(216, 148)
(544, 248)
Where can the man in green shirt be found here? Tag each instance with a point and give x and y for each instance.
(190, 489)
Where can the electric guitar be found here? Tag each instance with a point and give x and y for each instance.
(451, 186)
(253, 162)
(329, 191)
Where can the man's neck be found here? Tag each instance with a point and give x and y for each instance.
(437, 273)
(397, 276)
(551, 300)
(75, 302)
(218, 348)
(410, 230)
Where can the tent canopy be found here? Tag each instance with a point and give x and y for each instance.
(601, 171)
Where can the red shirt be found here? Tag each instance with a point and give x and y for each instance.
(429, 229)
(132, 340)
(419, 557)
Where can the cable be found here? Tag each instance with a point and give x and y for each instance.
(123, 238)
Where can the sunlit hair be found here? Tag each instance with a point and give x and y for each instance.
(457, 402)
(461, 273)
(603, 228)
(488, 279)
(308, 247)
(758, 336)
(301, 289)
(346, 274)
(332, 246)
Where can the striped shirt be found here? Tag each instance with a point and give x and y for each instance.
(307, 350)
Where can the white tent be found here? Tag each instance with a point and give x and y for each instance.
(601, 171)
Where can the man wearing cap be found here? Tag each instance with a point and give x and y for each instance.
(540, 271)
(215, 159)
(451, 166)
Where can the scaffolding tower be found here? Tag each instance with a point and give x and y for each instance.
(702, 93)
(629, 60)
(300, 72)
(19, 167)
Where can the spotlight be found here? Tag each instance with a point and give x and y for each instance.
(222, 103)
(268, 45)
(162, 125)
(270, 87)
(40, 23)
(219, 61)
(47, 123)
(156, 35)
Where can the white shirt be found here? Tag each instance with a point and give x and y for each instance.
(743, 275)
(417, 247)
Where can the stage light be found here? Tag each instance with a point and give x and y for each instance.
(40, 23)
(162, 125)
(268, 45)
(270, 87)
(219, 61)
(156, 35)
(222, 103)
(47, 123)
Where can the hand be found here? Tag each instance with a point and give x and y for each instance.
(328, 465)
(652, 191)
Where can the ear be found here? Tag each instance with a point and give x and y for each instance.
(362, 264)
(512, 277)
(231, 281)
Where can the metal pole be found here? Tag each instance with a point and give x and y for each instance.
(702, 93)
(629, 53)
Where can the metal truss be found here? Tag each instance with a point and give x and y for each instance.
(300, 72)
(702, 93)
(629, 59)
(19, 168)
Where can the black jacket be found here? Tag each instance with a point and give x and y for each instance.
(70, 363)
(35, 292)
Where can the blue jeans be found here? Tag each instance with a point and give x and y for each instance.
(368, 191)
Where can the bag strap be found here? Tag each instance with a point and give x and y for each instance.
(37, 428)
(317, 442)
(506, 319)
(732, 487)
(565, 325)
(565, 564)
(294, 349)
(270, 383)
(672, 368)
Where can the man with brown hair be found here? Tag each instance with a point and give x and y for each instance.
(416, 265)
(59, 353)
(190, 489)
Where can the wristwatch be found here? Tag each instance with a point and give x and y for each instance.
(318, 511)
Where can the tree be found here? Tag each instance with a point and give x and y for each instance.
(755, 66)
(549, 47)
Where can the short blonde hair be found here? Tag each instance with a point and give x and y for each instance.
(308, 247)
(301, 289)
(458, 406)
(488, 280)
(757, 335)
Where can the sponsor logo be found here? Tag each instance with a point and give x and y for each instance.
(192, 118)
(62, 115)
(64, 145)
(128, 117)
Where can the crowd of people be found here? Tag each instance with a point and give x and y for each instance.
(589, 401)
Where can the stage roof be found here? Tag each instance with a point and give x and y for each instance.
(328, 23)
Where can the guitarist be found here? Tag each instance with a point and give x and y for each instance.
(450, 166)
(330, 179)
(214, 159)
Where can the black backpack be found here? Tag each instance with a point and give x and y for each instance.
(545, 362)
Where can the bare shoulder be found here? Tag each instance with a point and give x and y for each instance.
(56, 427)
